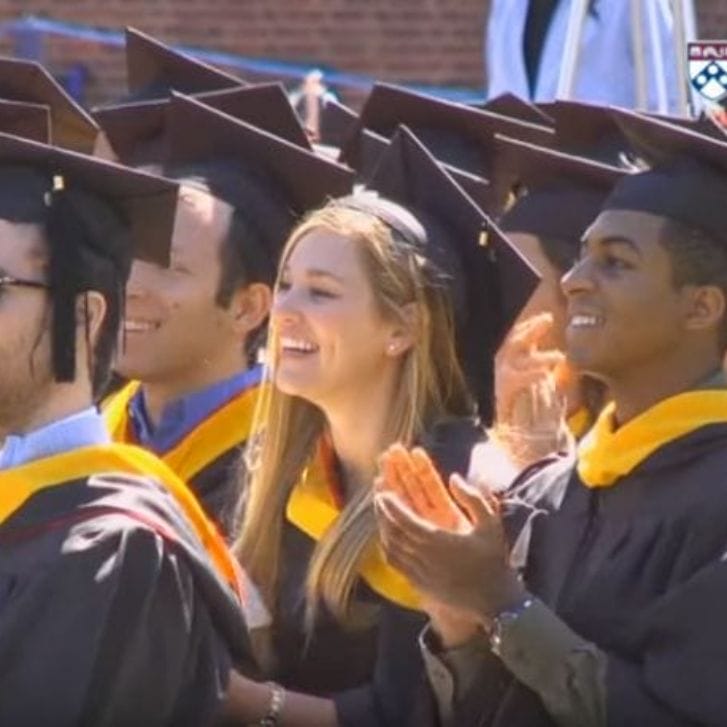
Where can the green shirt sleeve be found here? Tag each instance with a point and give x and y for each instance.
(567, 672)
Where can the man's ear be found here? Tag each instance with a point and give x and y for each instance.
(706, 307)
(405, 333)
(250, 307)
(91, 312)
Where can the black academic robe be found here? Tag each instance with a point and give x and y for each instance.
(639, 569)
(217, 487)
(373, 672)
(110, 613)
(208, 457)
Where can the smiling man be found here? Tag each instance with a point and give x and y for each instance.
(605, 605)
(191, 330)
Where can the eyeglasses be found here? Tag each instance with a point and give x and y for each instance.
(6, 280)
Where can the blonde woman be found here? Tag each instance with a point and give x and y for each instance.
(368, 318)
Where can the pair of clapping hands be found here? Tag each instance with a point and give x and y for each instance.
(448, 539)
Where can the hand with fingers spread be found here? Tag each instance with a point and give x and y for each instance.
(531, 386)
(467, 569)
(413, 477)
(521, 362)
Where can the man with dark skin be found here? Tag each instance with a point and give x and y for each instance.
(589, 594)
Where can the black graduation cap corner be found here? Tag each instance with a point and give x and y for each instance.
(703, 124)
(336, 122)
(587, 129)
(133, 131)
(272, 181)
(155, 69)
(26, 120)
(508, 104)
(364, 157)
(557, 195)
(305, 179)
(136, 130)
(489, 280)
(28, 82)
(458, 135)
(687, 178)
(265, 105)
(133, 124)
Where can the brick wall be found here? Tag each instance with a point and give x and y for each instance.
(412, 41)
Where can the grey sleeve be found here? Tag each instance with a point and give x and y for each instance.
(466, 683)
(567, 672)
(539, 651)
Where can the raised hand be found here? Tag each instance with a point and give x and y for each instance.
(466, 570)
(531, 386)
(413, 477)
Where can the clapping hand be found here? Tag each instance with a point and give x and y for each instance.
(531, 386)
(449, 542)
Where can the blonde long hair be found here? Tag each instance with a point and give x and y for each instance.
(432, 387)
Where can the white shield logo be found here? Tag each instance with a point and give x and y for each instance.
(708, 69)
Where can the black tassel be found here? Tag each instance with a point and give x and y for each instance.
(65, 230)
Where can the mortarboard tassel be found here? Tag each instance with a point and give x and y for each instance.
(64, 229)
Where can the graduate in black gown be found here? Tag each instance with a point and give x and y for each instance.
(617, 616)
(364, 350)
(193, 328)
(541, 405)
(119, 604)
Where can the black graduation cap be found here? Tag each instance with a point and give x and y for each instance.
(687, 181)
(272, 181)
(305, 179)
(456, 134)
(587, 129)
(703, 124)
(154, 69)
(558, 195)
(28, 82)
(590, 129)
(336, 122)
(27, 120)
(508, 104)
(265, 105)
(96, 215)
(364, 157)
(135, 130)
(488, 279)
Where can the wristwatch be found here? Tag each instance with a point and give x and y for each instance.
(503, 619)
(275, 709)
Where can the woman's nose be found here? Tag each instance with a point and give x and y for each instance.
(285, 305)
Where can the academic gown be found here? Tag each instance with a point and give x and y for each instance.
(640, 570)
(206, 455)
(111, 614)
(374, 672)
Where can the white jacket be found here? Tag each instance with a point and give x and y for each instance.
(606, 66)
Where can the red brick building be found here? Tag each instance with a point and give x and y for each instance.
(436, 42)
